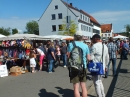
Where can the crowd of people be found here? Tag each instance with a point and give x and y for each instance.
(95, 49)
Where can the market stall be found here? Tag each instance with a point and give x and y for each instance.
(14, 51)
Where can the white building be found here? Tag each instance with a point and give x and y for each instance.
(107, 30)
(54, 15)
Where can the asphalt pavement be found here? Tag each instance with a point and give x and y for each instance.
(57, 84)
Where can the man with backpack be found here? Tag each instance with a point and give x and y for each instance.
(78, 55)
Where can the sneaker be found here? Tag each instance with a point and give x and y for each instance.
(64, 66)
(49, 72)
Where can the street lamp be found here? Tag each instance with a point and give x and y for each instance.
(67, 18)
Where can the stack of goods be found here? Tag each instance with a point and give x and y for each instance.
(15, 71)
(16, 43)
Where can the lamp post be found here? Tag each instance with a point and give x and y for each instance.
(67, 18)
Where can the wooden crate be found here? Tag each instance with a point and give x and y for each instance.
(15, 73)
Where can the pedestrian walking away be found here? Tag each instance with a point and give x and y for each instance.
(78, 54)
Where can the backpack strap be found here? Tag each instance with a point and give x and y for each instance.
(74, 43)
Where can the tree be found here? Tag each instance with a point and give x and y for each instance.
(14, 31)
(69, 29)
(127, 27)
(5, 31)
(32, 27)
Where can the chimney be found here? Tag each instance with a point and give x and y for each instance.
(71, 4)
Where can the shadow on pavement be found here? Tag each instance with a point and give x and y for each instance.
(91, 95)
(65, 92)
(113, 83)
(44, 93)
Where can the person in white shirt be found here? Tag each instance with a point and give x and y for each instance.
(96, 56)
(42, 55)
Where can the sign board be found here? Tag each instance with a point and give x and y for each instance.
(3, 71)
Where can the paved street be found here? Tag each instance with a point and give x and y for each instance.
(118, 86)
(43, 84)
(40, 84)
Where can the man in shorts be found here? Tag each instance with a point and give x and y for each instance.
(75, 78)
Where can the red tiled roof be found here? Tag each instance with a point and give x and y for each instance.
(83, 12)
(106, 28)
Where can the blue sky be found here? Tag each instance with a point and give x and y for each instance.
(16, 13)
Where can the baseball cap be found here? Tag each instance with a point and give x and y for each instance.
(96, 36)
(79, 33)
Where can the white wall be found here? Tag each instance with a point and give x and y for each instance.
(46, 22)
(85, 33)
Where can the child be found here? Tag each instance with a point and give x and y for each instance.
(32, 61)
(58, 54)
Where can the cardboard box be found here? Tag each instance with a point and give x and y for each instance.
(15, 73)
(15, 69)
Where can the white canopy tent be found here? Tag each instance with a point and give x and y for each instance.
(23, 36)
(120, 36)
(61, 37)
(1, 36)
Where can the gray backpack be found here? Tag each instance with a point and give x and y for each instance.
(76, 58)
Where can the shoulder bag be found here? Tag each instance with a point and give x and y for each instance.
(96, 68)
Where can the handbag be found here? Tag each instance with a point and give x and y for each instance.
(96, 68)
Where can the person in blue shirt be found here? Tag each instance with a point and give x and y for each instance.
(125, 49)
(75, 78)
(51, 57)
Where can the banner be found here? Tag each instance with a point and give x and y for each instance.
(3, 71)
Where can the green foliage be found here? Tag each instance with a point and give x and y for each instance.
(14, 31)
(32, 27)
(5, 31)
(69, 29)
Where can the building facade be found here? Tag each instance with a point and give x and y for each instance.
(107, 30)
(58, 11)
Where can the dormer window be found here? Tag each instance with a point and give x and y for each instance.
(81, 16)
(56, 7)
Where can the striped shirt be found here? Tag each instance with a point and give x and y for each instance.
(112, 48)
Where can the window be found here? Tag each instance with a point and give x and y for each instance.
(60, 28)
(82, 27)
(68, 19)
(89, 29)
(105, 35)
(109, 35)
(81, 16)
(56, 7)
(53, 27)
(53, 16)
(60, 16)
(86, 19)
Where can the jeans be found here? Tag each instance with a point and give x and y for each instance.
(124, 54)
(64, 58)
(51, 65)
(114, 66)
(99, 88)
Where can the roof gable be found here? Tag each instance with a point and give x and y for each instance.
(106, 28)
(83, 12)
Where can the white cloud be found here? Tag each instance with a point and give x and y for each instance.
(16, 22)
(111, 16)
